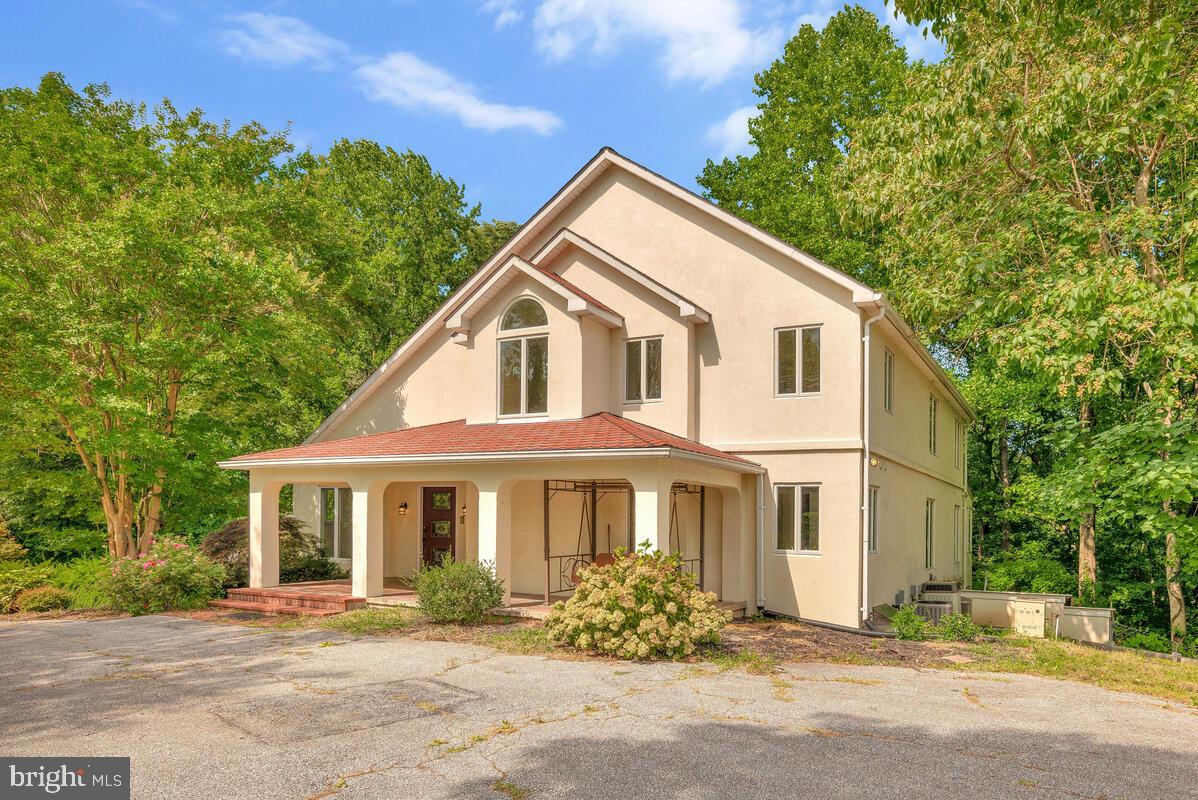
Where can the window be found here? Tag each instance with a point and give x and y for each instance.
(797, 361)
(958, 443)
(933, 412)
(524, 313)
(642, 370)
(929, 532)
(803, 526)
(523, 376)
(888, 381)
(337, 523)
(957, 520)
(873, 519)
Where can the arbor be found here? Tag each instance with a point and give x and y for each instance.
(814, 101)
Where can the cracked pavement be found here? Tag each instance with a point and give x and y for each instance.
(220, 711)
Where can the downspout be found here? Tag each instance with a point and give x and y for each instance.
(761, 540)
(865, 460)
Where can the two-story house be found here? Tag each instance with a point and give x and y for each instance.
(638, 364)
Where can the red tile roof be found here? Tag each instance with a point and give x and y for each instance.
(602, 431)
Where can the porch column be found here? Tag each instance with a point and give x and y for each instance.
(495, 532)
(652, 503)
(264, 532)
(367, 568)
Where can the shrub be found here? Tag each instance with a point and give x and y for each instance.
(458, 591)
(16, 577)
(909, 625)
(642, 606)
(64, 544)
(300, 557)
(958, 628)
(1149, 640)
(43, 598)
(174, 575)
(10, 548)
(87, 580)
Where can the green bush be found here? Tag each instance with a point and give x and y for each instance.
(958, 628)
(10, 548)
(16, 577)
(43, 598)
(909, 625)
(174, 575)
(64, 544)
(458, 591)
(300, 557)
(87, 580)
(1149, 640)
(644, 605)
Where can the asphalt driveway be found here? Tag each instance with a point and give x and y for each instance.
(210, 710)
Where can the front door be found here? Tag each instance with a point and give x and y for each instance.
(439, 523)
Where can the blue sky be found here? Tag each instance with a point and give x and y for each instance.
(508, 97)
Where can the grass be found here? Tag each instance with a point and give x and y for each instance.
(522, 640)
(370, 621)
(750, 660)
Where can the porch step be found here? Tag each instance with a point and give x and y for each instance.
(301, 601)
(268, 608)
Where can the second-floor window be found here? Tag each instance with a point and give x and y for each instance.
(933, 414)
(524, 360)
(797, 361)
(642, 369)
(888, 380)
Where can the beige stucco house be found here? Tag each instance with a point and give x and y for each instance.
(639, 364)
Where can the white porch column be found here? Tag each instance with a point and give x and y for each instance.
(652, 500)
(495, 532)
(367, 568)
(264, 532)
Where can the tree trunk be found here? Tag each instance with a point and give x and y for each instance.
(1004, 480)
(1177, 602)
(1087, 560)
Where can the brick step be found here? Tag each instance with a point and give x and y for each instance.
(329, 602)
(268, 608)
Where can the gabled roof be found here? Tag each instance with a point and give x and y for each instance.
(603, 434)
(543, 219)
(566, 238)
(578, 302)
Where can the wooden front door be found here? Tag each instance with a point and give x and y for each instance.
(440, 523)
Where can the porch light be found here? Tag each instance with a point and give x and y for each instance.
(403, 509)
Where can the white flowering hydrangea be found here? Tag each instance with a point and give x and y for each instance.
(645, 605)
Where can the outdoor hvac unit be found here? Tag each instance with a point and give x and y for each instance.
(932, 612)
(942, 592)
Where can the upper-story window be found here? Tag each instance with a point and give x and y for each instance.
(958, 443)
(888, 380)
(933, 414)
(642, 369)
(524, 360)
(797, 360)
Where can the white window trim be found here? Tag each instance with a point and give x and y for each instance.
(933, 424)
(522, 334)
(929, 533)
(957, 520)
(887, 380)
(958, 439)
(819, 531)
(501, 331)
(798, 329)
(875, 494)
(644, 370)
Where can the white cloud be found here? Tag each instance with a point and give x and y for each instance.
(505, 11)
(702, 40)
(282, 41)
(731, 134)
(406, 81)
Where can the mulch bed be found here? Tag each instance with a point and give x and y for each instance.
(797, 641)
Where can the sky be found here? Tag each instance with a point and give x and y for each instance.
(508, 97)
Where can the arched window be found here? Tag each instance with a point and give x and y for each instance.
(524, 313)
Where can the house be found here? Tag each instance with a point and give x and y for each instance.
(638, 364)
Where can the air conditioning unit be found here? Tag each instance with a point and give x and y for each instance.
(942, 592)
(933, 612)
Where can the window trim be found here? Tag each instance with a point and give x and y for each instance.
(798, 329)
(644, 369)
(933, 423)
(522, 336)
(336, 554)
(502, 331)
(958, 443)
(929, 533)
(798, 535)
(887, 380)
(958, 518)
(875, 493)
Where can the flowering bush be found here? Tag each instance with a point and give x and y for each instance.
(172, 575)
(458, 591)
(642, 606)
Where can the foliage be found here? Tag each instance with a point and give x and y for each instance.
(645, 605)
(43, 598)
(1149, 640)
(87, 579)
(16, 577)
(958, 628)
(10, 548)
(458, 591)
(300, 556)
(909, 625)
(173, 575)
(370, 621)
(1028, 567)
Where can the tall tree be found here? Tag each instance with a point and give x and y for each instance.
(814, 100)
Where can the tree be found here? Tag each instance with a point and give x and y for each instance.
(814, 101)
(155, 296)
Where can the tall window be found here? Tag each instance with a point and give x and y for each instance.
(958, 519)
(933, 413)
(958, 443)
(642, 369)
(797, 360)
(929, 532)
(523, 361)
(873, 519)
(888, 380)
(337, 523)
(799, 524)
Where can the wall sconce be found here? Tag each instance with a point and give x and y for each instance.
(403, 509)
(462, 515)
(873, 461)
